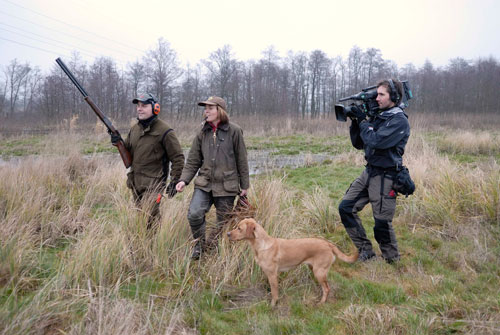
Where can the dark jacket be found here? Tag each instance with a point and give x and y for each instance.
(221, 161)
(152, 149)
(383, 138)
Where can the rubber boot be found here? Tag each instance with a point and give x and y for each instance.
(386, 238)
(198, 249)
(358, 237)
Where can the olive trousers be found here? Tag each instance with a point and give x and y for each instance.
(375, 189)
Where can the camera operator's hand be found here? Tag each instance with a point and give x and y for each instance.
(358, 114)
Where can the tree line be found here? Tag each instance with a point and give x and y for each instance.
(303, 85)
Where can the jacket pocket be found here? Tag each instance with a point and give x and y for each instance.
(143, 181)
(201, 181)
(387, 199)
(231, 181)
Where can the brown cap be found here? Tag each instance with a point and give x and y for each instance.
(214, 101)
(144, 98)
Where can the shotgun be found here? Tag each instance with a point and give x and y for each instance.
(124, 153)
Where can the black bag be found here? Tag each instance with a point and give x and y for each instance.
(403, 183)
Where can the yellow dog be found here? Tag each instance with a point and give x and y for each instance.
(276, 255)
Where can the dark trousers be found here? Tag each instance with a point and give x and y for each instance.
(376, 190)
(200, 205)
(147, 202)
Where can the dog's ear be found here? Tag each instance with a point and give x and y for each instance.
(250, 232)
(258, 230)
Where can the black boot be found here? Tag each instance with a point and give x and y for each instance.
(358, 237)
(365, 255)
(198, 249)
(386, 238)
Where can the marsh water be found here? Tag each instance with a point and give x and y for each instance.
(259, 161)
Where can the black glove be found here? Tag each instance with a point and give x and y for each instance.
(115, 137)
(358, 114)
(171, 191)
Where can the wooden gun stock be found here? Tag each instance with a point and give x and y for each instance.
(124, 153)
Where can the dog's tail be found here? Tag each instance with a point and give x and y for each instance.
(342, 256)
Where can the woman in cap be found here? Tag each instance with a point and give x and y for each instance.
(219, 156)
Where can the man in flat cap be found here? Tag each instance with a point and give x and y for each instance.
(154, 147)
(219, 156)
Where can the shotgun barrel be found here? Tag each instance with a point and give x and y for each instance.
(124, 153)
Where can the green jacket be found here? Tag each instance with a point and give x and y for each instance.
(152, 149)
(221, 162)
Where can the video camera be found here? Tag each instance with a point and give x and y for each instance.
(369, 104)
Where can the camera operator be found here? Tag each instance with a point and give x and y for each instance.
(383, 138)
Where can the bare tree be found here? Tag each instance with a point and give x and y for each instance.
(301, 85)
(266, 75)
(334, 78)
(55, 92)
(427, 86)
(3, 94)
(162, 67)
(31, 89)
(297, 63)
(79, 69)
(486, 84)
(136, 75)
(16, 74)
(221, 66)
(372, 64)
(318, 63)
(248, 103)
(103, 82)
(355, 63)
(191, 91)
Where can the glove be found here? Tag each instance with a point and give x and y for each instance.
(115, 138)
(358, 114)
(171, 191)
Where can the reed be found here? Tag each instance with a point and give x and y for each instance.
(76, 257)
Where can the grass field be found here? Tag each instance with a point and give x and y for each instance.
(76, 258)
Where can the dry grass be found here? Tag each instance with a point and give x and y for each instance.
(82, 201)
(457, 122)
(75, 256)
(361, 319)
(467, 142)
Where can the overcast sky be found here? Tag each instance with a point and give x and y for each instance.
(405, 31)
